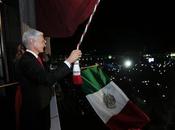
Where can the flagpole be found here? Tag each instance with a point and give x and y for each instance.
(87, 25)
(77, 79)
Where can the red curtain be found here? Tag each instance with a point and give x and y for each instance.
(18, 102)
(60, 18)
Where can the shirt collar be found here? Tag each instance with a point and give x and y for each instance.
(32, 53)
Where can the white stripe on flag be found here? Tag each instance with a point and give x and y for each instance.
(96, 100)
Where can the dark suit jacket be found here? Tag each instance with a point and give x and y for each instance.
(36, 82)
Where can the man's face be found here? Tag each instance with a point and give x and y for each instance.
(39, 44)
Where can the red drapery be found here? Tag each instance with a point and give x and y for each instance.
(18, 102)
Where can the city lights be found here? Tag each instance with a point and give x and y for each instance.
(127, 63)
(144, 77)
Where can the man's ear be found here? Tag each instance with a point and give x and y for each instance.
(31, 40)
(32, 43)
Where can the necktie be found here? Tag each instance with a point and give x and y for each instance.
(40, 61)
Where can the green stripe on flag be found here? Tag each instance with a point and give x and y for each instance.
(94, 79)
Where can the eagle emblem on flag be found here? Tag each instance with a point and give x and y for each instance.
(109, 100)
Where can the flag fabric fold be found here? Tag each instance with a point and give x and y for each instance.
(77, 80)
(60, 18)
(110, 103)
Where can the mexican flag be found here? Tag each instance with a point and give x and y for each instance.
(110, 103)
(61, 18)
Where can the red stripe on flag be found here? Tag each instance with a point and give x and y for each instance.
(77, 80)
(60, 18)
(131, 117)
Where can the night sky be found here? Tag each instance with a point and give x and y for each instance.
(125, 27)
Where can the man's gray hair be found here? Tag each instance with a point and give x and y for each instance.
(30, 34)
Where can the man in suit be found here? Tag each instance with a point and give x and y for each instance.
(36, 83)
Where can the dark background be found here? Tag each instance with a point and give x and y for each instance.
(120, 27)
